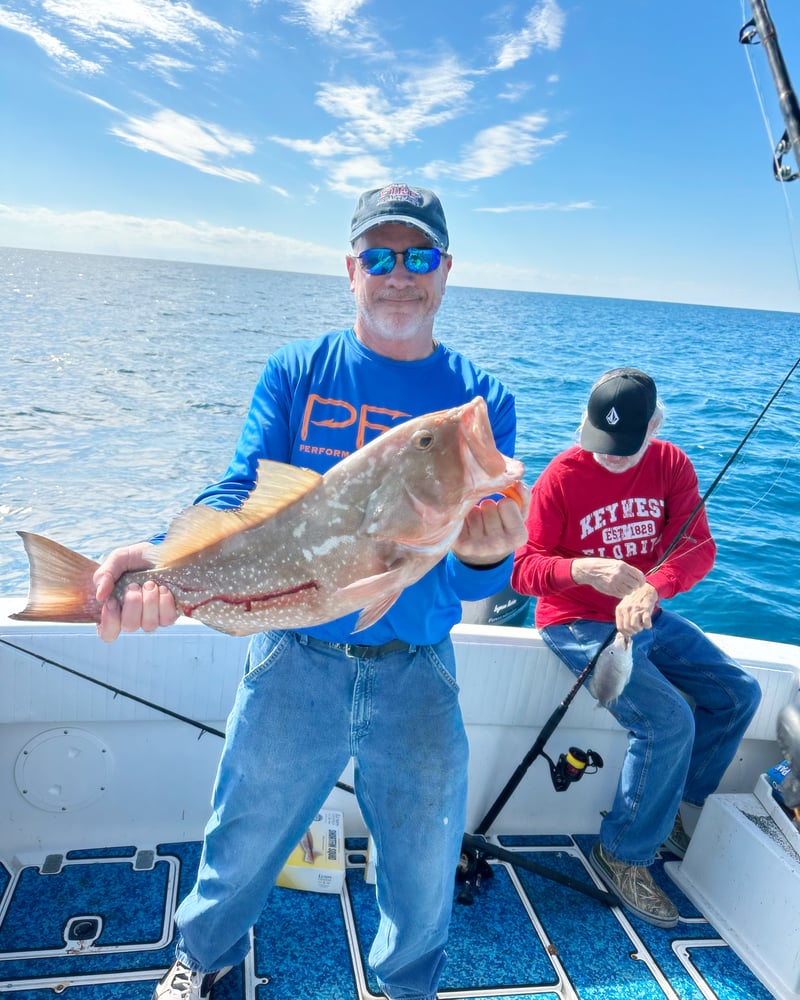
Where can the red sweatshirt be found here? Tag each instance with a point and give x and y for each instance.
(578, 508)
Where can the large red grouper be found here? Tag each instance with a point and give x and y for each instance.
(304, 549)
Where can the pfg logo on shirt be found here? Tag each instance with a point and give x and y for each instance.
(342, 420)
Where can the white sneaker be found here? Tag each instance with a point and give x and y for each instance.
(182, 983)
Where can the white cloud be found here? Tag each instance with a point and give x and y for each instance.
(378, 119)
(542, 206)
(198, 144)
(356, 174)
(327, 146)
(497, 149)
(514, 92)
(166, 67)
(395, 109)
(66, 57)
(114, 23)
(544, 27)
(110, 233)
(324, 17)
(374, 113)
(374, 121)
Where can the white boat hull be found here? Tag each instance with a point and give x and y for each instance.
(103, 767)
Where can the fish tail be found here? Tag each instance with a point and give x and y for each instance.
(61, 585)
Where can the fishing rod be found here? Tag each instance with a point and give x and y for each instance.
(473, 866)
(702, 501)
(115, 690)
(761, 28)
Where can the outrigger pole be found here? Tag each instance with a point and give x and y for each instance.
(761, 28)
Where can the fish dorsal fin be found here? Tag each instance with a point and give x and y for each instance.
(277, 486)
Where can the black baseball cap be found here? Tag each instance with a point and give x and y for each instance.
(618, 413)
(416, 207)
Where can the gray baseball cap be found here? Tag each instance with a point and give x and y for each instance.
(418, 207)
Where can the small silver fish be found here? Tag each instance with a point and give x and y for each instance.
(612, 671)
(305, 549)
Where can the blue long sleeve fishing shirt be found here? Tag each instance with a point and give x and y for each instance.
(319, 400)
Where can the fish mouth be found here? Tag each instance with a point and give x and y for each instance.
(489, 470)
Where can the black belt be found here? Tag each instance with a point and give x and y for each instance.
(358, 652)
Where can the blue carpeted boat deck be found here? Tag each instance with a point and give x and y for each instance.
(98, 924)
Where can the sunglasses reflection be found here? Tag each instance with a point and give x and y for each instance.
(416, 260)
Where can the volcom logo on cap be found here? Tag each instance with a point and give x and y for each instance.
(612, 417)
(400, 192)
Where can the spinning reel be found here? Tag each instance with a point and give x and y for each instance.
(473, 867)
(572, 766)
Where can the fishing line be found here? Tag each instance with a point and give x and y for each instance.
(132, 697)
(772, 485)
(702, 501)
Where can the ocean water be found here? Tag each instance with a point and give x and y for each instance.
(124, 383)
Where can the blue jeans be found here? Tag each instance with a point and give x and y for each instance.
(300, 713)
(675, 752)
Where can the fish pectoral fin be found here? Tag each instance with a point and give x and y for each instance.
(376, 594)
(201, 526)
(374, 611)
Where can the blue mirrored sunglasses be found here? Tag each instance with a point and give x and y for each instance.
(417, 260)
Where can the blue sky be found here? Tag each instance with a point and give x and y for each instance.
(615, 149)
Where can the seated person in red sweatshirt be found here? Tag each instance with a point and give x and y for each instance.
(603, 515)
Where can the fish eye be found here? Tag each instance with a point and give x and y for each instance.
(423, 440)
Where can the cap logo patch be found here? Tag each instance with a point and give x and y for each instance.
(400, 192)
(612, 417)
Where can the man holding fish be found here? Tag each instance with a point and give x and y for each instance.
(380, 685)
(616, 525)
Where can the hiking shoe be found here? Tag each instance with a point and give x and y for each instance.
(678, 840)
(635, 888)
(182, 983)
